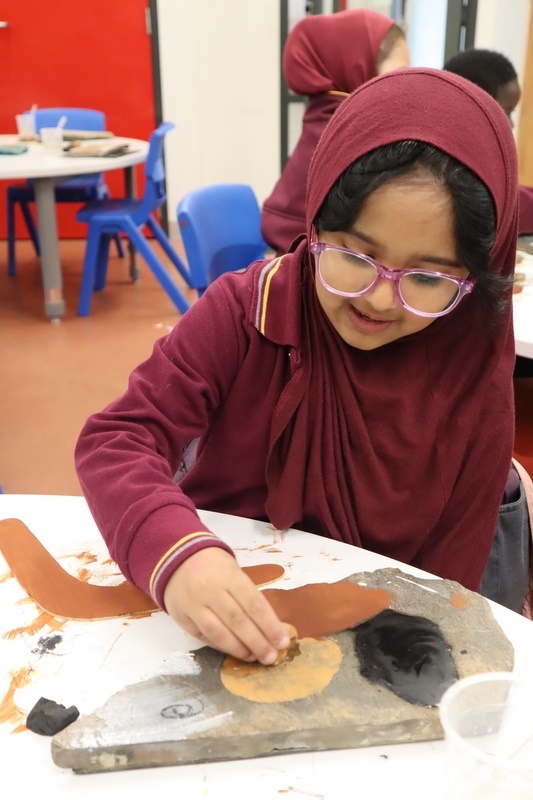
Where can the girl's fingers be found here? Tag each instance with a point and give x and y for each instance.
(214, 600)
(217, 635)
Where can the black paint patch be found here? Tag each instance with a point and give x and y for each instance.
(47, 644)
(406, 654)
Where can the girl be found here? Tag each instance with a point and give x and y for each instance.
(359, 387)
(326, 56)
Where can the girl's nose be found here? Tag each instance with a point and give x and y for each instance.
(383, 296)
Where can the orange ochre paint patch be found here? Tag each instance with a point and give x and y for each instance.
(459, 600)
(309, 672)
(42, 620)
(9, 711)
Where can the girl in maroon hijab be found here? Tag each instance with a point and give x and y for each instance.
(326, 56)
(359, 387)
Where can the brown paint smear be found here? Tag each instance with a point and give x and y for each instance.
(62, 595)
(314, 610)
(44, 619)
(322, 608)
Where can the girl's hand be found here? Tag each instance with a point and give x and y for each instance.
(211, 598)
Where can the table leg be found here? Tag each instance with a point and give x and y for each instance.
(129, 182)
(54, 305)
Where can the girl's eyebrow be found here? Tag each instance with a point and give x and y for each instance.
(438, 260)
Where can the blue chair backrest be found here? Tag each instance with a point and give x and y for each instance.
(154, 189)
(78, 119)
(220, 226)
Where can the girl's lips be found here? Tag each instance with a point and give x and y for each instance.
(366, 324)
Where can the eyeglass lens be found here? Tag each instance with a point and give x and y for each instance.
(346, 272)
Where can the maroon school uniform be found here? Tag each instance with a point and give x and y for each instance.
(525, 210)
(403, 449)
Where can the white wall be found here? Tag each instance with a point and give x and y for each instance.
(503, 25)
(220, 86)
(425, 30)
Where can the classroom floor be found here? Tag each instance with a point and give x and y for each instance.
(54, 375)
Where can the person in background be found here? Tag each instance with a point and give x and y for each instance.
(326, 56)
(359, 387)
(496, 75)
(493, 72)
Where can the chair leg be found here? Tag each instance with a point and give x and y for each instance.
(158, 269)
(101, 261)
(11, 233)
(102, 193)
(89, 270)
(120, 246)
(31, 226)
(164, 241)
(11, 264)
(135, 271)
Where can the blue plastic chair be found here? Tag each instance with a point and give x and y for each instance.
(129, 216)
(74, 190)
(220, 229)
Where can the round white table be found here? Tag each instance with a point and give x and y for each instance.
(101, 657)
(523, 303)
(46, 170)
(523, 321)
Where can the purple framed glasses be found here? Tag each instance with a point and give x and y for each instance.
(348, 274)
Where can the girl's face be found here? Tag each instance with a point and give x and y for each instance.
(406, 223)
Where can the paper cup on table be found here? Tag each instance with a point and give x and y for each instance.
(52, 140)
(488, 727)
(26, 126)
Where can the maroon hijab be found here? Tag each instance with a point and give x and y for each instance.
(326, 56)
(334, 52)
(405, 449)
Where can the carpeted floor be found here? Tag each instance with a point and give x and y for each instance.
(54, 376)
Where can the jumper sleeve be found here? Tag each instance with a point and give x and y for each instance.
(525, 210)
(127, 455)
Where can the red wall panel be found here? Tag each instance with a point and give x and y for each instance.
(91, 55)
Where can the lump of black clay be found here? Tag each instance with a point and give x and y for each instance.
(48, 717)
(407, 654)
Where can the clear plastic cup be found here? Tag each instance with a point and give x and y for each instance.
(52, 140)
(488, 727)
(26, 126)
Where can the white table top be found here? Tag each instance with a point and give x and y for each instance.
(100, 657)
(523, 309)
(36, 163)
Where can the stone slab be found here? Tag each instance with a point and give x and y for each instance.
(190, 717)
